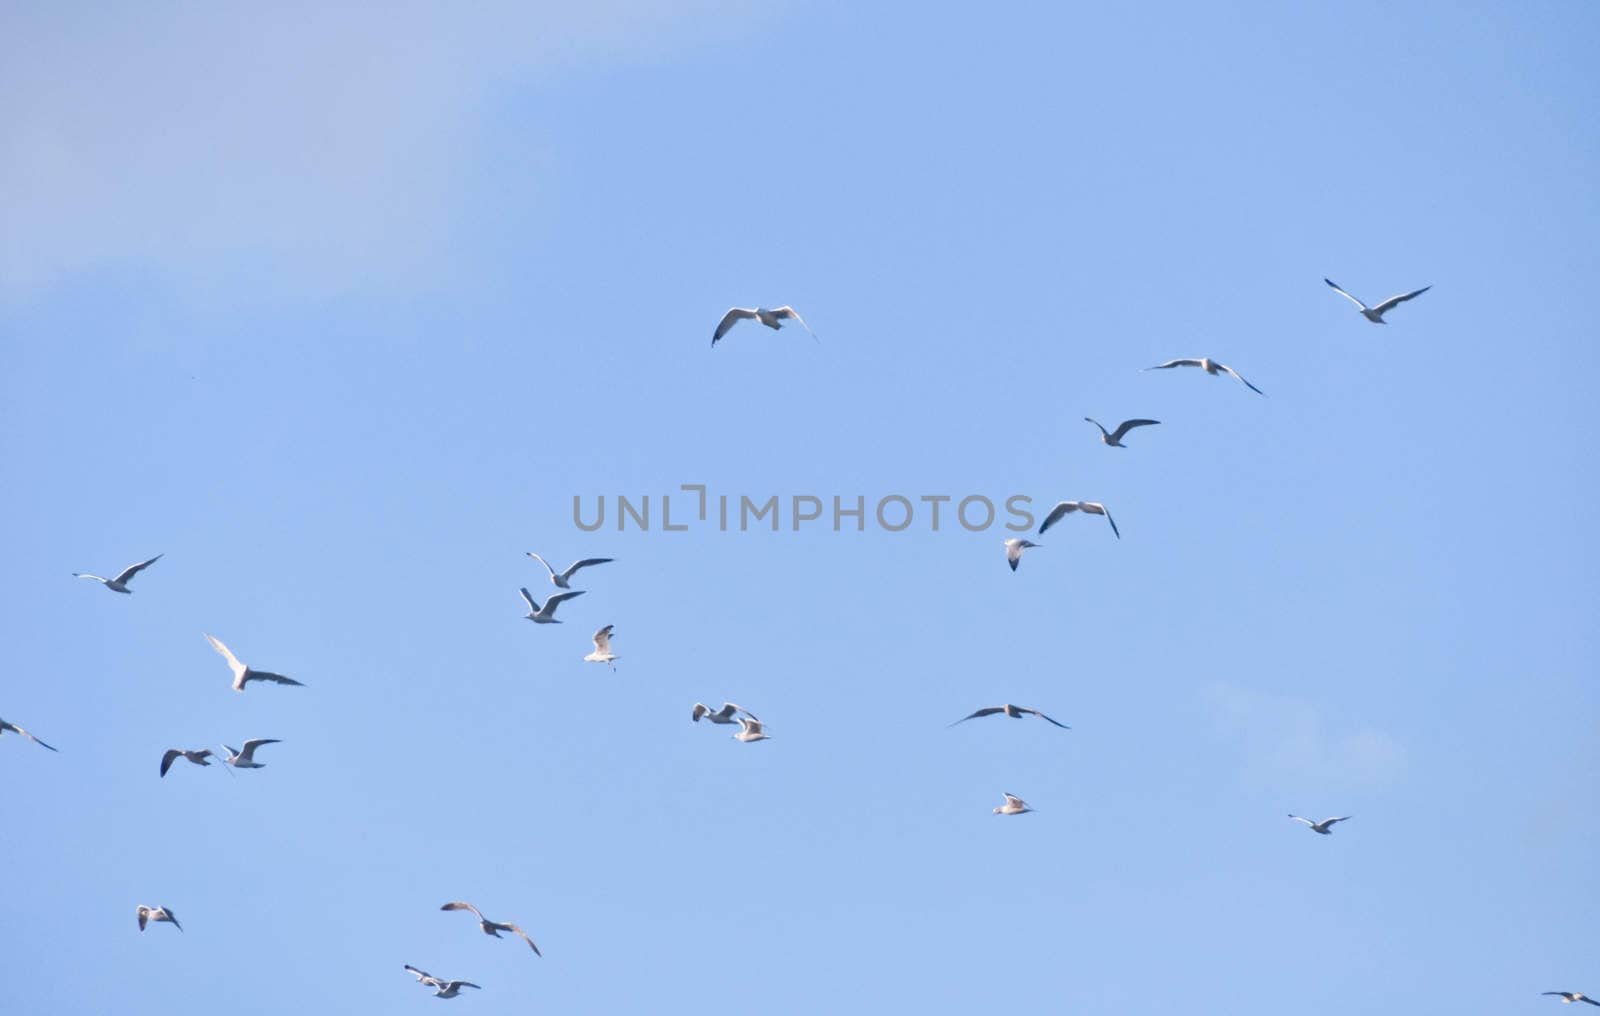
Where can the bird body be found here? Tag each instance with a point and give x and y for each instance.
(119, 583)
(1065, 508)
(1014, 549)
(751, 730)
(493, 928)
(172, 755)
(723, 715)
(4, 726)
(771, 318)
(242, 674)
(563, 580)
(546, 613)
(1325, 827)
(1375, 314)
(1210, 366)
(602, 647)
(1015, 712)
(246, 759)
(147, 914)
(1014, 806)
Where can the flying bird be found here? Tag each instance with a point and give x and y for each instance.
(1014, 549)
(602, 647)
(242, 674)
(1325, 827)
(442, 988)
(771, 318)
(723, 715)
(563, 580)
(1014, 806)
(173, 754)
(1210, 366)
(1015, 712)
(1114, 438)
(4, 726)
(1375, 314)
(1065, 508)
(493, 927)
(547, 613)
(246, 759)
(1571, 996)
(147, 914)
(751, 730)
(120, 583)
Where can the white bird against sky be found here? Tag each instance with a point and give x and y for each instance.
(1015, 712)
(602, 647)
(1325, 827)
(442, 988)
(242, 674)
(1065, 508)
(1014, 549)
(494, 928)
(172, 755)
(4, 726)
(1375, 314)
(563, 580)
(751, 730)
(1208, 365)
(546, 614)
(246, 759)
(148, 914)
(1014, 806)
(723, 715)
(771, 318)
(1114, 438)
(119, 584)
(1571, 996)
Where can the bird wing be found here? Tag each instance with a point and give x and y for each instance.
(751, 725)
(459, 905)
(1331, 821)
(602, 640)
(458, 985)
(700, 709)
(1236, 374)
(542, 561)
(1090, 419)
(1060, 511)
(528, 597)
(134, 569)
(733, 317)
(144, 916)
(1104, 511)
(1297, 818)
(586, 562)
(557, 600)
(86, 575)
(1014, 799)
(422, 975)
(1128, 425)
(227, 654)
(1342, 293)
(988, 711)
(12, 726)
(1187, 362)
(250, 747)
(524, 935)
(787, 311)
(168, 758)
(172, 917)
(267, 675)
(1042, 716)
(1386, 305)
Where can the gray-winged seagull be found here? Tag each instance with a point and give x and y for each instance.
(1208, 365)
(1014, 806)
(493, 927)
(4, 726)
(1014, 549)
(563, 580)
(723, 715)
(1375, 314)
(147, 914)
(246, 759)
(1325, 827)
(1015, 712)
(602, 647)
(119, 584)
(1065, 508)
(242, 674)
(173, 754)
(771, 318)
(546, 614)
(1114, 438)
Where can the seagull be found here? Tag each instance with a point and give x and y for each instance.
(563, 580)
(1065, 508)
(771, 318)
(4, 726)
(120, 583)
(602, 647)
(243, 674)
(1324, 827)
(1014, 806)
(723, 715)
(1375, 314)
(1571, 996)
(147, 914)
(1015, 712)
(443, 989)
(173, 754)
(1014, 549)
(1210, 366)
(247, 759)
(493, 927)
(750, 730)
(1114, 438)
(547, 613)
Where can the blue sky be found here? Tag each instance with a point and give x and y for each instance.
(339, 313)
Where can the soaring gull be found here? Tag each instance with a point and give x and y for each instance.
(1114, 438)
(4, 726)
(723, 715)
(1375, 314)
(1210, 366)
(1065, 508)
(120, 583)
(173, 754)
(242, 674)
(1014, 549)
(493, 927)
(546, 614)
(563, 580)
(771, 318)
(1015, 712)
(148, 914)
(1325, 827)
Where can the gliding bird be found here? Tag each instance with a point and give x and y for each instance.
(1114, 438)
(1014, 806)
(1325, 827)
(1210, 366)
(546, 614)
(771, 318)
(723, 715)
(123, 577)
(242, 674)
(147, 914)
(4, 726)
(602, 647)
(1014, 549)
(246, 759)
(1571, 996)
(493, 927)
(1065, 508)
(563, 580)
(1375, 314)
(1015, 712)
(173, 754)
(442, 988)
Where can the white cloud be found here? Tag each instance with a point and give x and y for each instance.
(1286, 738)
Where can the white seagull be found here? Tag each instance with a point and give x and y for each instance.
(1210, 366)
(563, 580)
(1325, 827)
(1571, 996)
(602, 647)
(1114, 438)
(723, 715)
(243, 674)
(148, 914)
(1065, 508)
(771, 318)
(546, 614)
(1375, 314)
(442, 988)
(4, 726)
(173, 754)
(246, 759)
(493, 927)
(1015, 712)
(1014, 549)
(120, 583)
(1014, 806)
(750, 730)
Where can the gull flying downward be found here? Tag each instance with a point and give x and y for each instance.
(1571, 996)
(723, 715)
(602, 647)
(546, 614)
(493, 927)
(123, 577)
(173, 754)
(1114, 438)
(4, 726)
(1014, 806)
(1375, 314)
(1325, 827)
(242, 674)
(1015, 712)
(563, 580)
(442, 988)
(1208, 365)
(771, 318)
(1065, 508)
(147, 914)
(1014, 549)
